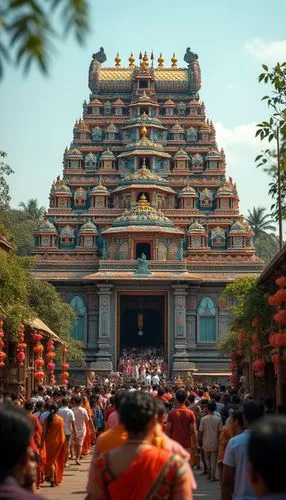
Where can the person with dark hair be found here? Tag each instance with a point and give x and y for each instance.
(267, 456)
(181, 423)
(109, 410)
(69, 424)
(81, 421)
(235, 483)
(15, 436)
(36, 440)
(209, 431)
(269, 405)
(55, 441)
(232, 427)
(138, 468)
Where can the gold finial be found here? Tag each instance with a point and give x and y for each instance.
(143, 131)
(131, 60)
(174, 61)
(117, 61)
(145, 61)
(161, 61)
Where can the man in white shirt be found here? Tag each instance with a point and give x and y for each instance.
(235, 482)
(210, 427)
(147, 378)
(69, 424)
(156, 379)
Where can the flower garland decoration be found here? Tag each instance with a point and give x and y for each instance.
(233, 367)
(21, 346)
(2, 353)
(275, 361)
(277, 338)
(38, 360)
(50, 357)
(65, 366)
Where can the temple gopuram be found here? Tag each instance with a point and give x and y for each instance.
(143, 230)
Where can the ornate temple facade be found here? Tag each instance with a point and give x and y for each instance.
(144, 220)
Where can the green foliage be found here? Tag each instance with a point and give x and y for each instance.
(5, 171)
(274, 130)
(32, 209)
(266, 246)
(22, 298)
(29, 26)
(248, 300)
(6, 233)
(15, 307)
(259, 221)
(58, 315)
(22, 228)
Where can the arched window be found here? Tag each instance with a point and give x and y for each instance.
(78, 305)
(207, 320)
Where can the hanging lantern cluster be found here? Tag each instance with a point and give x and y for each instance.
(50, 357)
(21, 346)
(65, 366)
(38, 357)
(233, 367)
(2, 353)
(277, 338)
(258, 364)
(241, 337)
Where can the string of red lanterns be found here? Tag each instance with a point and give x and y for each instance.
(277, 338)
(21, 346)
(2, 353)
(38, 360)
(258, 364)
(50, 366)
(65, 366)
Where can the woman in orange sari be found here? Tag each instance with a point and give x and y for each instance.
(55, 441)
(137, 470)
(35, 443)
(90, 429)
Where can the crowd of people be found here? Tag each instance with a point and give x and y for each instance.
(142, 362)
(162, 432)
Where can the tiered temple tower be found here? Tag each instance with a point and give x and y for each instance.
(144, 175)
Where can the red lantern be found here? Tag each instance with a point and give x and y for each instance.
(65, 366)
(280, 296)
(255, 338)
(37, 337)
(256, 348)
(259, 373)
(233, 366)
(2, 356)
(51, 355)
(271, 300)
(2, 364)
(233, 379)
(258, 364)
(38, 348)
(255, 322)
(280, 317)
(281, 282)
(50, 367)
(21, 357)
(39, 375)
(39, 362)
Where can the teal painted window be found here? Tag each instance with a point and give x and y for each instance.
(207, 320)
(78, 305)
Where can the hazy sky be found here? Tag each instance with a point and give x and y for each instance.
(232, 39)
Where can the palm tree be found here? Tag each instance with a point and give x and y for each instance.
(32, 209)
(260, 222)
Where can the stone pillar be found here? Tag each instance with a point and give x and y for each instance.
(92, 321)
(104, 354)
(192, 304)
(181, 358)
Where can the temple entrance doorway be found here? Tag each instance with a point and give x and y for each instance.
(142, 321)
(143, 248)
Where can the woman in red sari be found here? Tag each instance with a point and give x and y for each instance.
(137, 470)
(55, 441)
(90, 429)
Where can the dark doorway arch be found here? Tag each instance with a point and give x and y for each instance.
(143, 248)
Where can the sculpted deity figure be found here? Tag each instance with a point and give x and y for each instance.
(142, 265)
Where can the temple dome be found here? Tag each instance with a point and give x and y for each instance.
(107, 154)
(181, 153)
(82, 127)
(100, 189)
(225, 189)
(96, 102)
(111, 128)
(188, 190)
(196, 227)
(88, 227)
(47, 227)
(74, 153)
(61, 187)
(194, 104)
(238, 227)
(177, 128)
(143, 217)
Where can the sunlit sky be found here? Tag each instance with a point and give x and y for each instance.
(232, 39)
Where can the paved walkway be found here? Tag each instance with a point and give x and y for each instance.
(75, 478)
